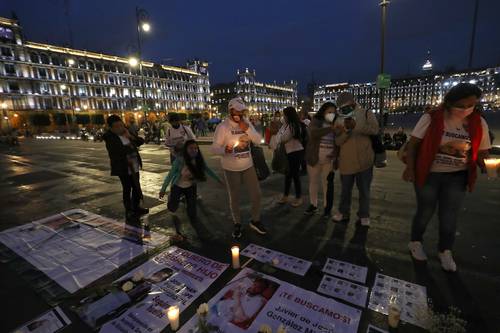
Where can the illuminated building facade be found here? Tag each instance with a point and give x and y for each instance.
(261, 98)
(415, 92)
(40, 78)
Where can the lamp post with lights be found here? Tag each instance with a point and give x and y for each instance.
(143, 26)
(383, 4)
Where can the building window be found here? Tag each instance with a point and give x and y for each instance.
(98, 66)
(80, 77)
(10, 69)
(42, 72)
(82, 91)
(7, 52)
(62, 75)
(82, 64)
(13, 87)
(98, 91)
(45, 59)
(56, 61)
(34, 58)
(91, 66)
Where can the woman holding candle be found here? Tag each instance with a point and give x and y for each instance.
(293, 135)
(444, 150)
(232, 140)
(186, 171)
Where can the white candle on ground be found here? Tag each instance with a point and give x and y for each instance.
(173, 317)
(492, 165)
(235, 253)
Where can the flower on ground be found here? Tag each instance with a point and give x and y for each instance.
(281, 329)
(138, 276)
(264, 328)
(202, 309)
(127, 286)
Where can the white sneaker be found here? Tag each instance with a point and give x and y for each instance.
(447, 261)
(297, 202)
(417, 251)
(365, 221)
(283, 200)
(338, 217)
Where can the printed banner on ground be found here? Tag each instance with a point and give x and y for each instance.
(49, 322)
(345, 290)
(252, 299)
(139, 300)
(76, 247)
(277, 259)
(412, 299)
(345, 270)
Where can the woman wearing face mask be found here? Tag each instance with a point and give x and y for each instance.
(320, 154)
(293, 135)
(186, 171)
(442, 156)
(232, 140)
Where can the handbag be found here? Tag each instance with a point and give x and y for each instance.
(378, 149)
(259, 162)
(280, 160)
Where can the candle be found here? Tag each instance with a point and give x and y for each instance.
(173, 317)
(492, 165)
(394, 312)
(235, 252)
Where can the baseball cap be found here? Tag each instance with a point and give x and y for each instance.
(237, 104)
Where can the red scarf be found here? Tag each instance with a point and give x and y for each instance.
(432, 140)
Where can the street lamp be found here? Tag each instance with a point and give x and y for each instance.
(383, 5)
(142, 16)
(133, 62)
(71, 62)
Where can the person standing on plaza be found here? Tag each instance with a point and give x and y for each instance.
(274, 127)
(125, 163)
(356, 157)
(443, 153)
(232, 140)
(177, 135)
(320, 156)
(187, 170)
(293, 134)
(306, 120)
(133, 128)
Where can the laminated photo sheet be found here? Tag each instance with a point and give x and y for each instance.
(344, 290)
(277, 259)
(412, 298)
(374, 329)
(345, 270)
(51, 321)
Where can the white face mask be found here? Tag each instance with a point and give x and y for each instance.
(461, 113)
(329, 117)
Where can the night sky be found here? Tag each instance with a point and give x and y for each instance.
(336, 40)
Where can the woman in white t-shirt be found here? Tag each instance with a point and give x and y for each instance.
(444, 150)
(292, 134)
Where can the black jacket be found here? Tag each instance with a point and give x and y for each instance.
(118, 152)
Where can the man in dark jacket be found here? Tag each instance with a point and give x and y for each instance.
(125, 163)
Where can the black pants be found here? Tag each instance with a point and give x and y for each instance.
(294, 162)
(174, 198)
(132, 193)
(329, 193)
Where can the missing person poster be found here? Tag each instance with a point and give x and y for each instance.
(252, 299)
(351, 292)
(51, 321)
(345, 270)
(139, 300)
(75, 248)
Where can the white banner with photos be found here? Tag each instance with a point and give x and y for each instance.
(173, 277)
(75, 248)
(252, 299)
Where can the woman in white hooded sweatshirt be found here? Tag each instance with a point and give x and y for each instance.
(232, 140)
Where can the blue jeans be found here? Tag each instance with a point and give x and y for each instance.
(445, 190)
(363, 181)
